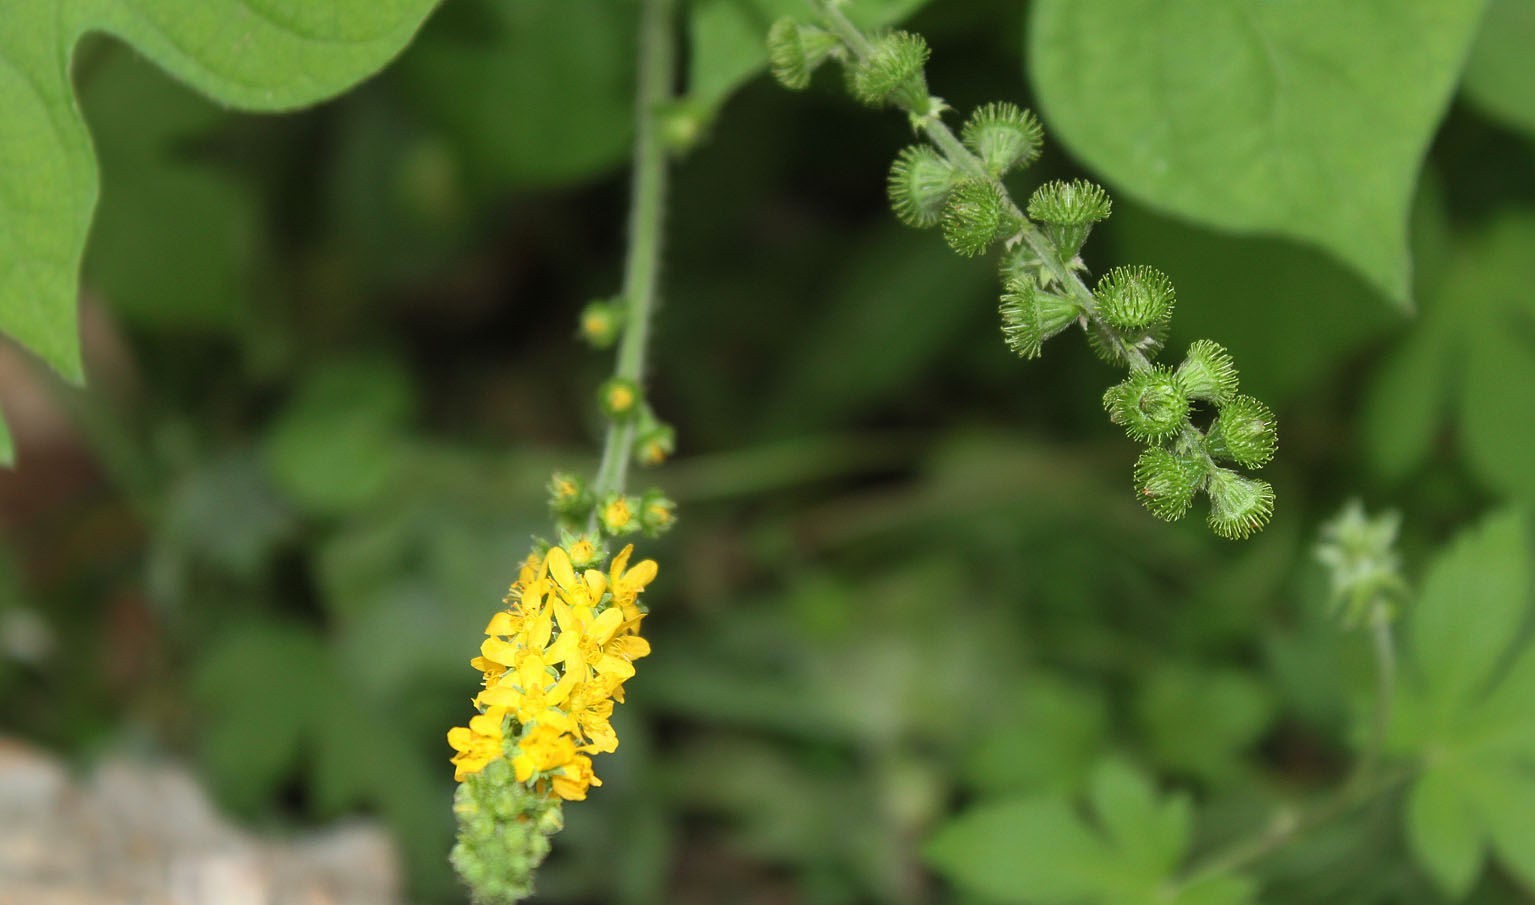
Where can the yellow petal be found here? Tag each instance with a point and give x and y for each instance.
(602, 628)
(620, 562)
(641, 575)
(497, 651)
(459, 738)
(559, 567)
(500, 624)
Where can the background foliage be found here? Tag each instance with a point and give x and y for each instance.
(912, 600)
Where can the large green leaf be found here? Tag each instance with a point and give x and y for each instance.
(729, 38)
(1041, 850)
(1500, 76)
(1307, 119)
(253, 54)
(1470, 359)
(1464, 709)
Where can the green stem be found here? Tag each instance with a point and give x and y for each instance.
(1385, 688)
(647, 210)
(1288, 825)
(944, 139)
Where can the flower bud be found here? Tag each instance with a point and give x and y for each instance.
(1031, 315)
(503, 833)
(919, 185)
(1245, 431)
(892, 73)
(601, 322)
(795, 51)
(655, 444)
(618, 398)
(1165, 482)
(1068, 211)
(976, 216)
(586, 550)
(1149, 405)
(657, 513)
(1004, 136)
(568, 495)
(1134, 298)
(619, 514)
(1208, 372)
(1239, 506)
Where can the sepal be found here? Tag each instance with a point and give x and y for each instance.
(1004, 136)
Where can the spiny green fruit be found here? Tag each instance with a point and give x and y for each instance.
(1068, 211)
(795, 51)
(892, 72)
(1239, 505)
(1245, 431)
(1134, 298)
(919, 186)
(1208, 372)
(1165, 482)
(1031, 315)
(1149, 404)
(1004, 136)
(975, 217)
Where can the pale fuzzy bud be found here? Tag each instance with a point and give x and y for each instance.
(1245, 431)
(919, 185)
(1148, 404)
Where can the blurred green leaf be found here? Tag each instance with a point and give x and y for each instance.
(1500, 74)
(1049, 746)
(900, 298)
(172, 240)
(1464, 709)
(1444, 833)
(283, 54)
(728, 38)
(339, 443)
(1309, 120)
(261, 688)
(529, 92)
(1040, 850)
(1475, 347)
(1201, 719)
(7, 449)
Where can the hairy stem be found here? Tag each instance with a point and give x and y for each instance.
(647, 211)
(944, 139)
(1384, 648)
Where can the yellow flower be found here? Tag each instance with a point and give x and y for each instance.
(591, 643)
(531, 689)
(479, 744)
(627, 583)
(542, 748)
(574, 778)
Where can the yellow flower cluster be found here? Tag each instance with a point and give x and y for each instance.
(554, 662)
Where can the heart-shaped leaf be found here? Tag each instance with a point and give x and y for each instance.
(1308, 119)
(251, 54)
